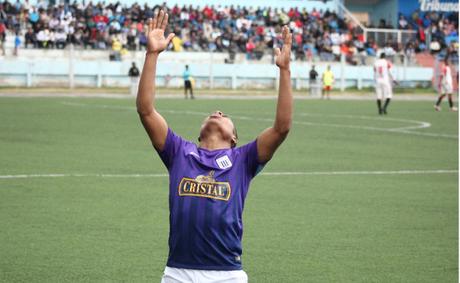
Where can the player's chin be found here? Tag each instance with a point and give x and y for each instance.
(209, 126)
(215, 125)
(212, 122)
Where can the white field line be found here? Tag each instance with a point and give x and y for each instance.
(79, 175)
(402, 130)
(299, 173)
(419, 124)
(259, 95)
(391, 172)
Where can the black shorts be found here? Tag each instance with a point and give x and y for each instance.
(188, 84)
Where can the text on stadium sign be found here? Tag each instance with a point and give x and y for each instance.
(436, 6)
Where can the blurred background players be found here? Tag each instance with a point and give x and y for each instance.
(328, 81)
(445, 86)
(383, 82)
(2, 38)
(134, 77)
(314, 87)
(187, 82)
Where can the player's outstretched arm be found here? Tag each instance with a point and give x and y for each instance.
(269, 140)
(154, 124)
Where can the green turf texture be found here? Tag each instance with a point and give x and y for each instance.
(298, 228)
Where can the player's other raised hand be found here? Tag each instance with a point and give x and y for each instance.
(156, 41)
(283, 56)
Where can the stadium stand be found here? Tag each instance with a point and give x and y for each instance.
(322, 35)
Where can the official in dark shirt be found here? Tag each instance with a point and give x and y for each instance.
(134, 76)
(314, 89)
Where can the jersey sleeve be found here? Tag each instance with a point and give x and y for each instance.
(250, 155)
(171, 148)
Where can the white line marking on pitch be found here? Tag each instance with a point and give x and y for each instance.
(393, 172)
(25, 176)
(420, 124)
(305, 173)
(403, 130)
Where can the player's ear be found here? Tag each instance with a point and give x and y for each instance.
(234, 141)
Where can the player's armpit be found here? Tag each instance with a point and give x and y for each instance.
(268, 142)
(156, 127)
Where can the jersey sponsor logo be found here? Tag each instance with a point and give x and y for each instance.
(205, 186)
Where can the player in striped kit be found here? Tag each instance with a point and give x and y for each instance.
(445, 86)
(208, 182)
(383, 82)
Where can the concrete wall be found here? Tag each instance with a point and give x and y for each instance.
(385, 9)
(53, 72)
(388, 10)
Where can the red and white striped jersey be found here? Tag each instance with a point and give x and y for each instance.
(446, 75)
(382, 69)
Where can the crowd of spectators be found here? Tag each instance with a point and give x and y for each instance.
(253, 31)
(440, 30)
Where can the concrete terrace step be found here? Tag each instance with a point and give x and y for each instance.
(425, 60)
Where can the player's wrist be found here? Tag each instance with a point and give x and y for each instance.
(285, 68)
(153, 54)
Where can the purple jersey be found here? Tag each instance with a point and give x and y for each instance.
(207, 189)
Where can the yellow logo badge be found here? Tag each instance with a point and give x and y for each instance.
(205, 186)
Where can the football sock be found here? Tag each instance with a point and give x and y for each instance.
(440, 99)
(451, 103)
(387, 101)
(379, 105)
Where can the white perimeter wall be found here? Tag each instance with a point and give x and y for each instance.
(92, 69)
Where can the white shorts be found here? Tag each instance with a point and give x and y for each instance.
(447, 89)
(182, 275)
(383, 90)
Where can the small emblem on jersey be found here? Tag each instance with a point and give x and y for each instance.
(224, 162)
(205, 186)
(238, 258)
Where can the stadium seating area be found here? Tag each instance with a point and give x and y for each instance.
(442, 30)
(233, 30)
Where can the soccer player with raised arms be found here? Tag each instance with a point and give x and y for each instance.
(208, 182)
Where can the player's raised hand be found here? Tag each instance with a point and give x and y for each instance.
(156, 41)
(283, 56)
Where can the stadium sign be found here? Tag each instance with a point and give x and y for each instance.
(437, 6)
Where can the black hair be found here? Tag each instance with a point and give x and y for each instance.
(382, 55)
(235, 133)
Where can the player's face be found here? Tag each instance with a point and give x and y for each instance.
(220, 122)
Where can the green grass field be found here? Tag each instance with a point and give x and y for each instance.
(352, 197)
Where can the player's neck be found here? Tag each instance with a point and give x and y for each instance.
(214, 142)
